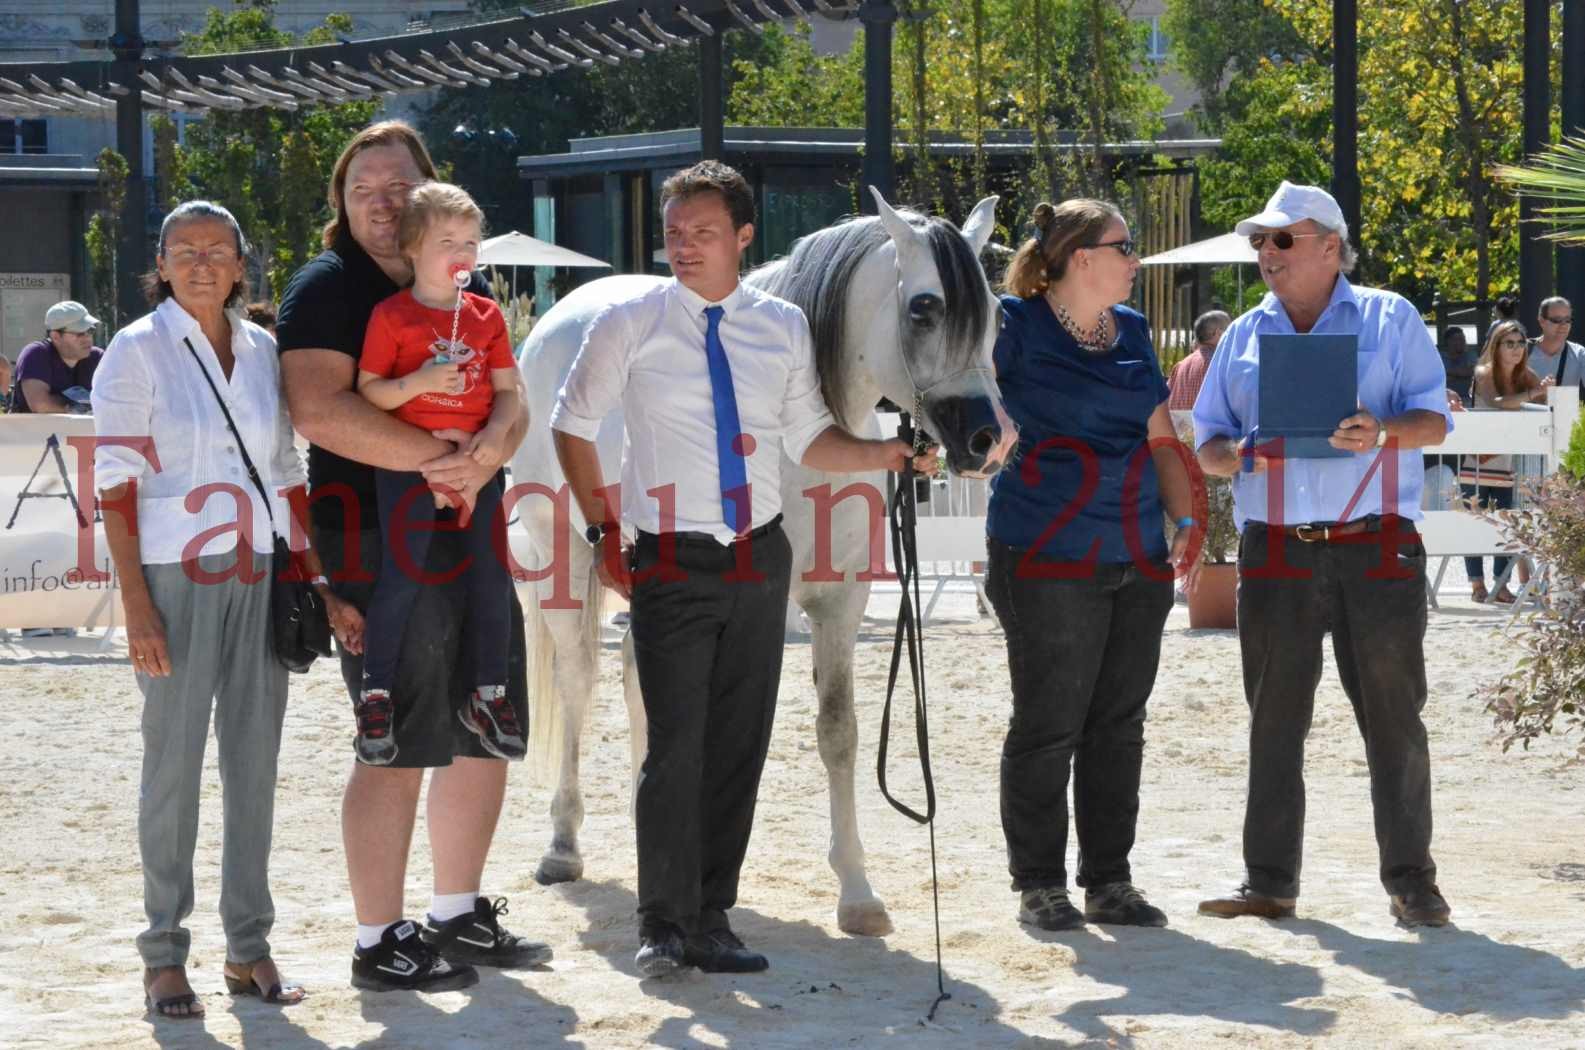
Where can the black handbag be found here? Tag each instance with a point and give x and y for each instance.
(299, 621)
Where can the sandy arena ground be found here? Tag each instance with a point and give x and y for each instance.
(1510, 973)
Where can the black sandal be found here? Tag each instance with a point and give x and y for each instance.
(239, 981)
(167, 1006)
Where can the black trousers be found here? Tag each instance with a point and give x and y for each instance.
(1373, 603)
(708, 628)
(1083, 655)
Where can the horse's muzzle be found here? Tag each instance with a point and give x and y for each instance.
(976, 436)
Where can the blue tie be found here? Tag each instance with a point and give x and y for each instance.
(735, 510)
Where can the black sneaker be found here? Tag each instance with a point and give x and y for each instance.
(402, 962)
(375, 744)
(660, 952)
(477, 938)
(1049, 909)
(722, 951)
(1121, 904)
(489, 714)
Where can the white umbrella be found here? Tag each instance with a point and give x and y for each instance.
(1228, 249)
(519, 249)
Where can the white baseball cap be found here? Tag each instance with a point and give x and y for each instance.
(69, 316)
(1291, 204)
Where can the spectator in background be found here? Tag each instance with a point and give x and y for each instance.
(1505, 308)
(262, 314)
(1458, 360)
(56, 373)
(1189, 373)
(1553, 356)
(1503, 381)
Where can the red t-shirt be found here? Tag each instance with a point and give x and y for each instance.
(404, 335)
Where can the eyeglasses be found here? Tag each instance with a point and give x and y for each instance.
(1282, 240)
(1124, 247)
(1562, 322)
(187, 255)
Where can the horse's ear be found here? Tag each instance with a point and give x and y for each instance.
(981, 223)
(896, 226)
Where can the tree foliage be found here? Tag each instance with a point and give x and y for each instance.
(102, 238)
(269, 167)
(1440, 109)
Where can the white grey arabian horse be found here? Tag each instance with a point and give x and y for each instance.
(899, 307)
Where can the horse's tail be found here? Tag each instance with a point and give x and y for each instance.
(547, 718)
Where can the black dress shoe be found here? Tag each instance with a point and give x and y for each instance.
(1420, 906)
(722, 951)
(660, 952)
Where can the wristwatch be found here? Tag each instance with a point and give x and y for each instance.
(596, 533)
(1381, 434)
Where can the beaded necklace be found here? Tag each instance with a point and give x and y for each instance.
(1092, 340)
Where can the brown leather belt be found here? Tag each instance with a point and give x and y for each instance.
(1330, 531)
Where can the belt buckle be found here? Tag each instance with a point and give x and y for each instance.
(1312, 533)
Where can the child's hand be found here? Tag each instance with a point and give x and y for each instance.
(488, 446)
(441, 377)
(345, 621)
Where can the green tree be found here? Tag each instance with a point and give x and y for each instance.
(102, 239)
(268, 166)
(1215, 42)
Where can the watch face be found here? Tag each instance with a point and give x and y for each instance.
(594, 534)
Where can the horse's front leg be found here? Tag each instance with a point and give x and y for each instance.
(638, 722)
(859, 910)
(573, 638)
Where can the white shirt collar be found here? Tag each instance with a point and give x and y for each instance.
(696, 304)
(181, 323)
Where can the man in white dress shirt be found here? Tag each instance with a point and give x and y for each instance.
(711, 375)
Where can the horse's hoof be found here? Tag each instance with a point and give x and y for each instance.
(864, 919)
(553, 869)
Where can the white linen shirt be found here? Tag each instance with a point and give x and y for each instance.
(148, 385)
(647, 354)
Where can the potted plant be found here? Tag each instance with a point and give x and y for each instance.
(1213, 598)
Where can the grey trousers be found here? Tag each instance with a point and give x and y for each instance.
(219, 639)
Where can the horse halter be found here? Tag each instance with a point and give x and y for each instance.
(921, 393)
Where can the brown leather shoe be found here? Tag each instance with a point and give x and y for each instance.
(1422, 906)
(1245, 901)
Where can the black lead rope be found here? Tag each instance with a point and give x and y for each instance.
(905, 555)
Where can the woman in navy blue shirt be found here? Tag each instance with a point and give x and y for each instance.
(1080, 573)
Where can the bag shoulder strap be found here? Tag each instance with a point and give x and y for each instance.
(242, 447)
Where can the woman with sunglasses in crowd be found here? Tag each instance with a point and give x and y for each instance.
(1503, 380)
(1079, 569)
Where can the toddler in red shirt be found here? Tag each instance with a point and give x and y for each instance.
(439, 357)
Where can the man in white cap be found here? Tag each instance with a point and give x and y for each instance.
(1329, 545)
(55, 373)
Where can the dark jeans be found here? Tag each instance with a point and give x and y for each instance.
(708, 644)
(407, 505)
(1083, 655)
(1376, 615)
(1492, 497)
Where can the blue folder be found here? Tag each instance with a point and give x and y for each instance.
(1308, 385)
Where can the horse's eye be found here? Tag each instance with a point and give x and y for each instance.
(926, 310)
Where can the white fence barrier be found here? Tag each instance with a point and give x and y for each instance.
(952, 525)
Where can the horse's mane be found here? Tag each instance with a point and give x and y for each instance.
(817, 277)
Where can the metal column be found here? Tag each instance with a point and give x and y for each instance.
(878, 17)
(1345, 114)
(1571, 261)
(712, 118)
(1535, 254)
(131, 252)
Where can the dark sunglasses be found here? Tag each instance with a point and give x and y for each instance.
(1559, 320)
(1124, 247)
(1282, 240)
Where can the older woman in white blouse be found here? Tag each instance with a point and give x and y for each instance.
(191, 541)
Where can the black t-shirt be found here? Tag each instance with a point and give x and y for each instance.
(326, 306)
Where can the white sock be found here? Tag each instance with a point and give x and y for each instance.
(443, 906)
(369, 936)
